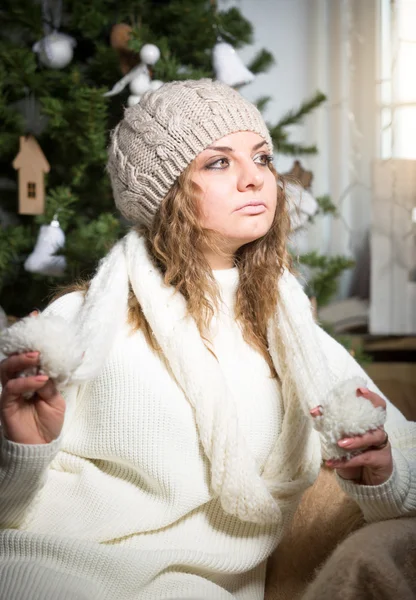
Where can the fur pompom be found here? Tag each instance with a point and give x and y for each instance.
(53, 337)
(346, 415)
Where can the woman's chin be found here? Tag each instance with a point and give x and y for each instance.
(238, 242)
(254, 231)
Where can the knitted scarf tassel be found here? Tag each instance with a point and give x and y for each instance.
(296, 353)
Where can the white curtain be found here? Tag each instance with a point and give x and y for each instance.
(343, 63)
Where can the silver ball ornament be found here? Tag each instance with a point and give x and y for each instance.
(55, 50)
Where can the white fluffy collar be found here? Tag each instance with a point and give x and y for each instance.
(75, 352)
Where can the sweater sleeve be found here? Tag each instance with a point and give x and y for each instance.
(397, 496)
(24, 467)
(23, 472)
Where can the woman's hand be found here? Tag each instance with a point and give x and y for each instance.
(374, 465)
(38, 420)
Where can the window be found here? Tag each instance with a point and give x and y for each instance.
(397, 81)
(31, 190)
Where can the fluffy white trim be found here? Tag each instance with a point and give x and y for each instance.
(346, 415)
(53, 337)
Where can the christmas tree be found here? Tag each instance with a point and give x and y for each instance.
(60, 100)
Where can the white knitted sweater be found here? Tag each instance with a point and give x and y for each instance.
(120, 506)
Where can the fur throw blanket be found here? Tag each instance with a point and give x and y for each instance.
(73, 352)
(323, 519)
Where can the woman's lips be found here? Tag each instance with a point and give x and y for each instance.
(252, 209)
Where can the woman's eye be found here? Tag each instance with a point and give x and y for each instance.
(221, 163)
(264, 159)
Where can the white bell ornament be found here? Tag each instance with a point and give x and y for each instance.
(43, 260)
(55, 50)
(228, 66)
(149, 54)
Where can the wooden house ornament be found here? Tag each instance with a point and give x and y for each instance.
(32, 166)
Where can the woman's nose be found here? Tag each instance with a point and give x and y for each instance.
(250, 177)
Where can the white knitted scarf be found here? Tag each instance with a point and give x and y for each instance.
(75, 352)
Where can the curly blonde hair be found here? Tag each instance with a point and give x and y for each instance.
(175, 242)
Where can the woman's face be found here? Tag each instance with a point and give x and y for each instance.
(239, 192)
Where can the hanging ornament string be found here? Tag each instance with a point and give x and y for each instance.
(34, 120)
(51, 15)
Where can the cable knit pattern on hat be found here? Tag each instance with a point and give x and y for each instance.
(162, 134)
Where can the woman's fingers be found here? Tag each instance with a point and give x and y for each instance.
(372, 438)
(374, 398)
(10, 367)
(48, 391)
(371, 467)
(15, 388)
(317, 411)
(373, 458)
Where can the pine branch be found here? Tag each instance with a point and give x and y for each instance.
(19, 70)
(325, 273)
(280, 137)
(60, 202)
(23, 16)
(294, 117)
(261, 62)
(89, 242)
(262, 102)
(326, 206)
(234, 28)
(295, 149)
(13, 241)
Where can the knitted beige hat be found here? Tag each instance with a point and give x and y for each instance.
(159, 137)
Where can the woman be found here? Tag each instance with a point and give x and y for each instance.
(173, 460)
